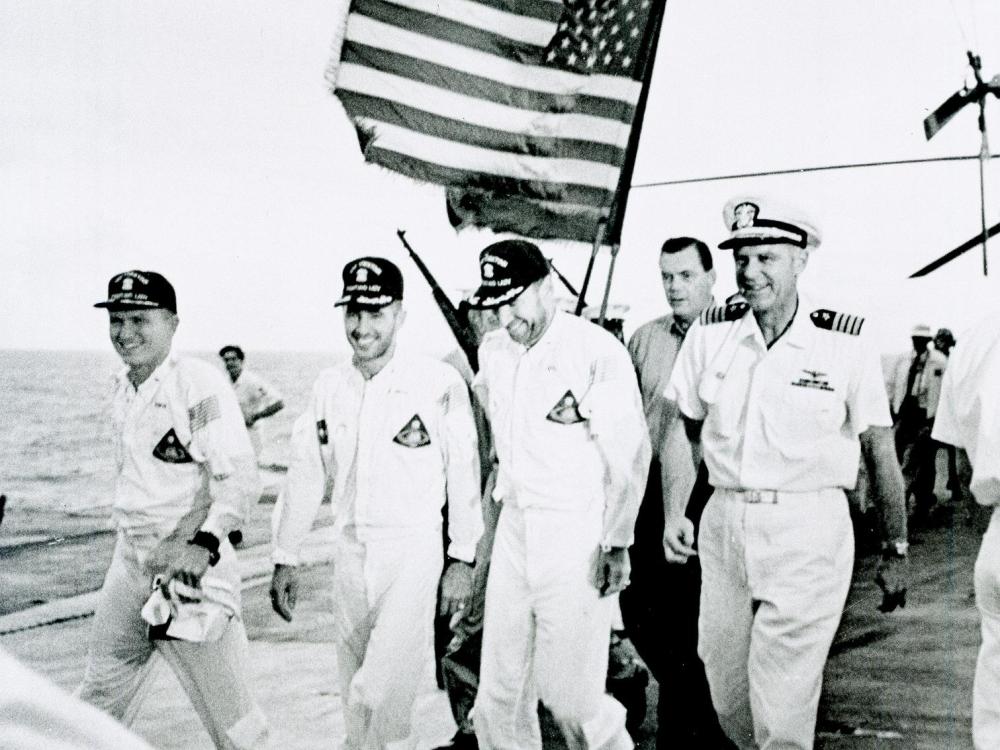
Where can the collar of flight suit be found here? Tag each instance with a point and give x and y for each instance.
(150, 384)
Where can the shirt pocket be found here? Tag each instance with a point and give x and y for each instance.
(798, 417)
(562, 404)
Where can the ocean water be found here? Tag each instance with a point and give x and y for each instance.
(55, 443)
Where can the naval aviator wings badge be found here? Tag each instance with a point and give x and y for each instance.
(566, 410)
(413, 434)
(171, 450)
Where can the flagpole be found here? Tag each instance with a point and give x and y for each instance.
(617, 212)
(581, 298)
(607, 287)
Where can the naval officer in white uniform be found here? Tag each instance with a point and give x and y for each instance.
(782, 397)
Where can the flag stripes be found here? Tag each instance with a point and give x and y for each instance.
(465, 58)
(468, 178)
(484, 17)
(500, 140)
(449, 153)
(471, 84)
(494, 96)
(393, 89)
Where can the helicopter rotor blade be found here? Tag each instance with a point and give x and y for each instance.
(960, 250)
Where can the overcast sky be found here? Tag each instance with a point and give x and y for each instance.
(199, 139)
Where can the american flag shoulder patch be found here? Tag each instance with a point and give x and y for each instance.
(203, 412)
(830, 320)
(605, 369)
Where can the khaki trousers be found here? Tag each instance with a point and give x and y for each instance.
(214, 675)
(545, 636)
(383, 597)
(986, 687)
(775, 576)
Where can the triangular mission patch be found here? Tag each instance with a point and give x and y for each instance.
(414, 434)
(724, 313)
(830, 320)
(566, 410)
(171, 450)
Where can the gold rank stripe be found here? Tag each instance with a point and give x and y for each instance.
(721, 314)
(831, 320)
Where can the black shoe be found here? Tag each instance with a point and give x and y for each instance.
(461, 741)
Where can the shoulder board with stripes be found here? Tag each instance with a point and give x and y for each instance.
(722, 314)
(829, 320)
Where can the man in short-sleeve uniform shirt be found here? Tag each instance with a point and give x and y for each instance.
(395, 436)
(660, 608)
(573, 452)
(968, 417)
(779, 391)
(258, 398)
(186, 474)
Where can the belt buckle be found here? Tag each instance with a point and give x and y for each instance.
(759, 497)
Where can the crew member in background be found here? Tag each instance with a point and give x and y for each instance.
(258, 398)
(955, 486)
(185, 476)
(944, 341)
(660, 607)
(780, 396)
(573, 454)
(916, 389)
(969, 418)
(395, 436)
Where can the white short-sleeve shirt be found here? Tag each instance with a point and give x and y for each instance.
(785, 418)
(968, 414)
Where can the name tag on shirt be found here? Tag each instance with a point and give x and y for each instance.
(171, 450)
(813, 379)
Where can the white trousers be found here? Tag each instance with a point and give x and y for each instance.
(986, 688)
(545, 636)
(214, 675)
(774, 579)
(384, 595)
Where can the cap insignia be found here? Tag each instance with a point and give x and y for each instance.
(745, 214)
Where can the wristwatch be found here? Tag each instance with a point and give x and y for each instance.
(449, 560)
(208, 541)
(895, 550)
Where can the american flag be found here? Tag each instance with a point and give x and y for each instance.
(522, 108)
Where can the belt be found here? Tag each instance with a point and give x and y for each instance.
(757, 497)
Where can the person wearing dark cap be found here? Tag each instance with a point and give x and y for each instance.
(782, 398)
(394, 435)
(573, 451)
(185, 476)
